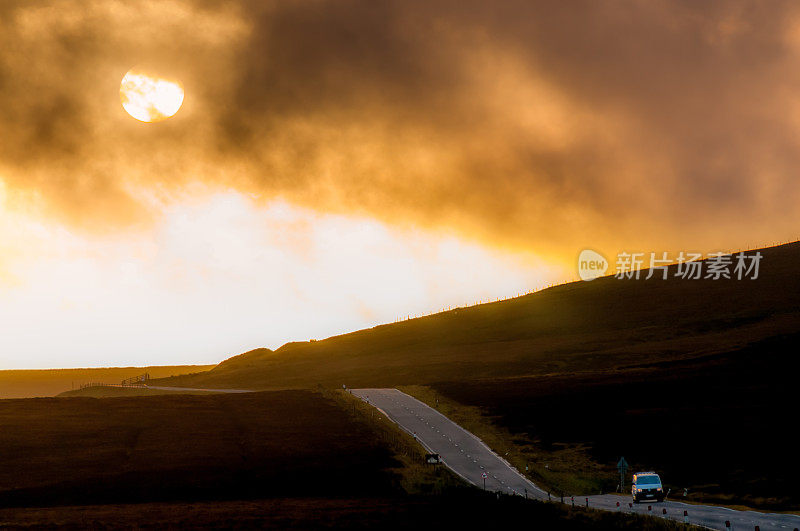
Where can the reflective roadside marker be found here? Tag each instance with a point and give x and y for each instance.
(728, 524)
(587, 502)
(664, 512)
(685, 517)
(650, 508)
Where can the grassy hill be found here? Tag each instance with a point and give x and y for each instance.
(606, 324)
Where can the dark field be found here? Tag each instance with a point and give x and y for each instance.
(722, 428)
(283, 459)
(462, 512)
(74, 451)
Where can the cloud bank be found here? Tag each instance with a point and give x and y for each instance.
(543, 126)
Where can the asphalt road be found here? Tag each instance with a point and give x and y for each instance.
(470, 458)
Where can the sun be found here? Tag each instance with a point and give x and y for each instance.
(148, 97)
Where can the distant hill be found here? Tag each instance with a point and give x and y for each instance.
(50, 382)
(606, 324)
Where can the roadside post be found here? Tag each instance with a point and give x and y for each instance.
(622, 466)
(484, 475)
(573, 501)
(685, 517)
(587, 502)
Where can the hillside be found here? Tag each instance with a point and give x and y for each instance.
(606, 324)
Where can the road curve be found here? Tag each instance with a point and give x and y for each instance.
(460, 450)
(470, 458)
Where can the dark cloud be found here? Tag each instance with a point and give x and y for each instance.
(543, 125)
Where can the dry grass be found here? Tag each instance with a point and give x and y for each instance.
(166, 448)
(291, 459)
(463, 512)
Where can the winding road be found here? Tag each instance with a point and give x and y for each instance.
(470, 458)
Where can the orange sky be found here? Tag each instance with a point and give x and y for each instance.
(341, 163)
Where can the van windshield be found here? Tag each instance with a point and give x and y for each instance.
(647, 480)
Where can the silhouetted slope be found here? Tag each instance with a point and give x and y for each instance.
(583, 326)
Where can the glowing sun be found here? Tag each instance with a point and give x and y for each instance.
(150, 98)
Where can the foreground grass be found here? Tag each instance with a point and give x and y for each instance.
(443, 512)
(287, 459)
(566, 469)
(84, 451)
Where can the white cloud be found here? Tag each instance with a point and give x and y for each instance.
(219, 275)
